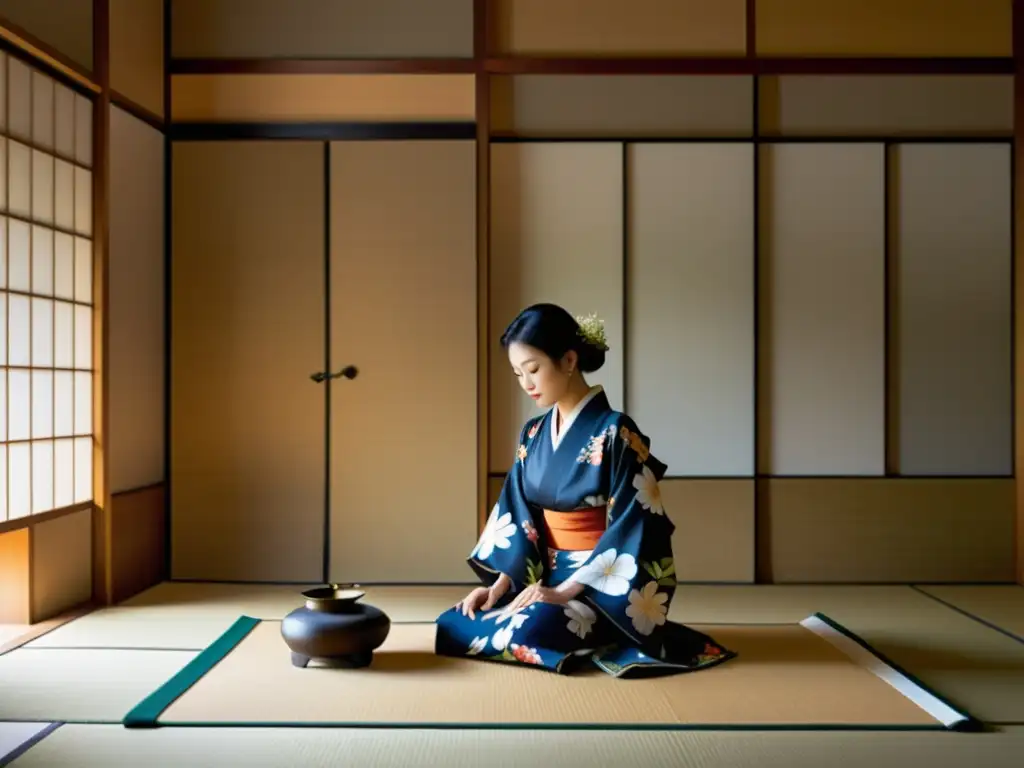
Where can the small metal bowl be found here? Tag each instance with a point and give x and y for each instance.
(333, 598)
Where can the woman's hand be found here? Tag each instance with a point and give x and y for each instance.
(483, 598)
(536, 593)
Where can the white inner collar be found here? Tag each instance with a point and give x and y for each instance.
(558, 430)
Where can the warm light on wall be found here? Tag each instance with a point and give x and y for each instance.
(15, 565)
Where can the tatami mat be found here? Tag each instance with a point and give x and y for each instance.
(9, 632)
(81, 685)
(14, 735)
(863, 605)
(148, 628)
(261, 601)
(1001, 606)
(274, 602)
(179, 616)
(693, 603)
(974, 666)
(32, 632)
(114, 747)
(786, 675)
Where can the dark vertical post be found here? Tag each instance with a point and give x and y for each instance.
(1018, 274)
(483, 34)
(168, 293)
(102, 527)
(625, 275)
(890, 196)
(327, 363)
(762, 532)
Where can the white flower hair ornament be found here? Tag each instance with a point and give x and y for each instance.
(591, 329)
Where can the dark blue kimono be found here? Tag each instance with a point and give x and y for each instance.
(619, 621)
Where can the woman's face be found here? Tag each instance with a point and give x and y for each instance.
(542, 378)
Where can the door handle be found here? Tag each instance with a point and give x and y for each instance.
(348, 372)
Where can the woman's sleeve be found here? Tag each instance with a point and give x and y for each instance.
(630, 575)
(509, 541)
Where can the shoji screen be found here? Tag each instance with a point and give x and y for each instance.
(822, 269)
(691, 304)
(46, 327)
(556, 235)
(137, 355)
(690, 343)
(137, 339)
(656, 234)
(952, 260)
(885, 408)
(46, 314)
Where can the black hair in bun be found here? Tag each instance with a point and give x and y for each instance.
(552, 330)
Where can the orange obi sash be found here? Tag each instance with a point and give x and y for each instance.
(574, 531)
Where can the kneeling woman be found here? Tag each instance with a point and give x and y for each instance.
(577, 553)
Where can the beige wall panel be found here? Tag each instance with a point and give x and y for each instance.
(136, 342)
(247, 464)
(255, 98)
(690, 330)
(403, 310)
(888, 530)
(19, 99)
(137, 51)
(618, 28)
(556, 236)
(884, 27)
(322, 28)
(888, 105)
(822, 304)
(622, 105)
(61, 564)
(62, 25)
(494, 485)
(138, 543)
(714, 538)
(953, 256)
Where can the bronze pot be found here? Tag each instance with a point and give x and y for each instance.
(334, 628)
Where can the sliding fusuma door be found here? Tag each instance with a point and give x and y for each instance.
(247, 329)
(403, 439)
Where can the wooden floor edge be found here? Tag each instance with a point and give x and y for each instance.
(45, 627)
